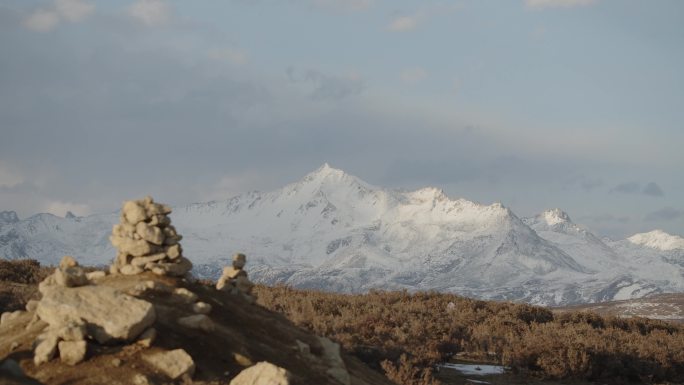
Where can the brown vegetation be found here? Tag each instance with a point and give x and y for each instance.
(414, 332)
(18, 279)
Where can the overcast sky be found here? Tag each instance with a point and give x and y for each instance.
(576, 104)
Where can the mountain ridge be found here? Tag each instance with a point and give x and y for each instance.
(331, 230)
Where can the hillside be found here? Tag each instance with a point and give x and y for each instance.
(244, 334)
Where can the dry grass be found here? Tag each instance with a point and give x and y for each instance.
(414, 332)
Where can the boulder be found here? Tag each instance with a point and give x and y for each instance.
(174, 363)
(263, 373)
(109, 313)
(72, 352)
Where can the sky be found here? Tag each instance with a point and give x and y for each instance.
(537, 104)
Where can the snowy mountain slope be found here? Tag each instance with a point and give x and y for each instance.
(332, 231)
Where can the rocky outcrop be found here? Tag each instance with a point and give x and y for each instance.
(263, 373)
(234, 278)
(146, 241)
(109, 313)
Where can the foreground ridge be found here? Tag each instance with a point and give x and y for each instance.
(146, 323)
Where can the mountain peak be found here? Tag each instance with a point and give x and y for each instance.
(7, 217)
(555, 216)
(658, 239)
(69, 215)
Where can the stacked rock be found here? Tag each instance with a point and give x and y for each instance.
(146, 241)
(234, 278)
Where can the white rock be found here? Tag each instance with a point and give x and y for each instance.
(9, 316)
(31, 305)
(72, 352)
(70, 276)
(133, 212)
(174, 269)
(67, 261)
(45, 350)
(136, 248)
(185, 294)
(110, 313)
(263, 373)
(95, 275)
(72, 331)
(197, 321)
(174, 251)
(130, 270)
(149, 233)
(142, 261)
(174, 363)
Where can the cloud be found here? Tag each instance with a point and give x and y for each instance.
(229, 55)
(584, 182)
(42, 20)
(605, 218)
(665, 214)
(403, 23)
(328, 87)
(151, 12)
(653, 189)
(61, 208)
(345, 5)
(45, 20)
(626, 188)
(74, 10)
(539, 4)
(413, 75)
(8, 177)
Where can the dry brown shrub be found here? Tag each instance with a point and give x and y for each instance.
(379, 327)
(27, 271)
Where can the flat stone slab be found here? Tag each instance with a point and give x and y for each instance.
(109, 313)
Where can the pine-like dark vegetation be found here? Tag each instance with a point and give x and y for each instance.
(407, 335)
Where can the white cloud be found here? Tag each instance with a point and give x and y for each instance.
(61, 208)
(538, 4)
(150, 12)
(45, 20)
(42, 20)
(232, 56)
(413, 75)
(9, 178)
(403, 23)
(74, 10)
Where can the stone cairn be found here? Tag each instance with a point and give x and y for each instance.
(146, 241)
(234, 278)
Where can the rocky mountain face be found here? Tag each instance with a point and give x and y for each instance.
(332, 231)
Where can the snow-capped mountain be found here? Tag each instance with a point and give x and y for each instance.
(332, 231)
